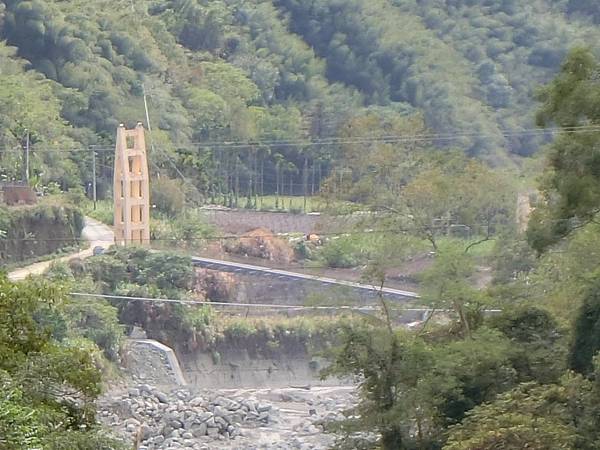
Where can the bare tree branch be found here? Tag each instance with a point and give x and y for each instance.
(481, 241)
(422, 330)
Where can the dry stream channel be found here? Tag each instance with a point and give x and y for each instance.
(148, 408)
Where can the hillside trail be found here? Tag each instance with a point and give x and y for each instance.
(95, 232)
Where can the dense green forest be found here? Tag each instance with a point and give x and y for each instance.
(271, 76)
(485, 381)
(510, 363)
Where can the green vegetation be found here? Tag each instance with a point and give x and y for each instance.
(586, 339)
(27, 233)
(294, 204)
(526, 377)
(271, 337)
(49, 381)
(256, 100)
(271, 75)
(357, 249)
(570, 188)
(431, 197)
(136, 272)
(425, 55)
(103, 213)
(430, 381)
(187, 231)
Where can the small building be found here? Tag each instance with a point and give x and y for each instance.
(17, 193)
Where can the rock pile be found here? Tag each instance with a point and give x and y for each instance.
(157, 420)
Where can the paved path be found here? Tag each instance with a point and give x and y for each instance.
(98, 234)
(228, 266)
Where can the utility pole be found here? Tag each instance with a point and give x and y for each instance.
(185, 180)
(147, 113)
(305, 180)
(26, 172)
(94, 176)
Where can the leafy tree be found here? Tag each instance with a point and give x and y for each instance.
(513, 259)
(529, 416)
(48, 387)
(19, 423)
(559, 415)
(474, 371)
(411, 390)
(559, 281)
(586, 333)
(446, 286)
(571, 195)
(586, 8)
(374, 172)
(388, 368)
(539, 353)
(455, 196)
(166, 271)
(168, 195)
(97, 321)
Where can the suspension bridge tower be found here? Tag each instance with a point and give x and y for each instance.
(131, 189)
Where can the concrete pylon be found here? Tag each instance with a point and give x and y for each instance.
(131, 189)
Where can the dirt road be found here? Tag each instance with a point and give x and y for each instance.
(96, 233)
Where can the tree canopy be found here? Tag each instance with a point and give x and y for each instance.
(262, 72)
(570, 188)
(48, 383)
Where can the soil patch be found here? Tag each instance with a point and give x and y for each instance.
(262, 243)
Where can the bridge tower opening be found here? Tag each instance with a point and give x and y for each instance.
(131, 188)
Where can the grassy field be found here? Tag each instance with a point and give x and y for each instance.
(294, 204)
(297, 204)
(103, 212)
(288, 203)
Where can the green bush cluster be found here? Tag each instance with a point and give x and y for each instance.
(274, 336)
(135, 272)
(48, 382)
(188, 229)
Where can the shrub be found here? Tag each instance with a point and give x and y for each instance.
(340, 253)
(168, 195)
(97, 321)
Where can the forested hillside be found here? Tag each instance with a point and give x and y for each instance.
(271, 76)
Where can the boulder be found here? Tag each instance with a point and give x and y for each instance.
(199, 430)
(162, 397)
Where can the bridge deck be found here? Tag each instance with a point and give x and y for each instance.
(228, 266)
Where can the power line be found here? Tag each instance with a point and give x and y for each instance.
(210, 303)
(257, 305)
(257, 236)
(396, 137)
(352, 140)
(242, 305)
(296, 235)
